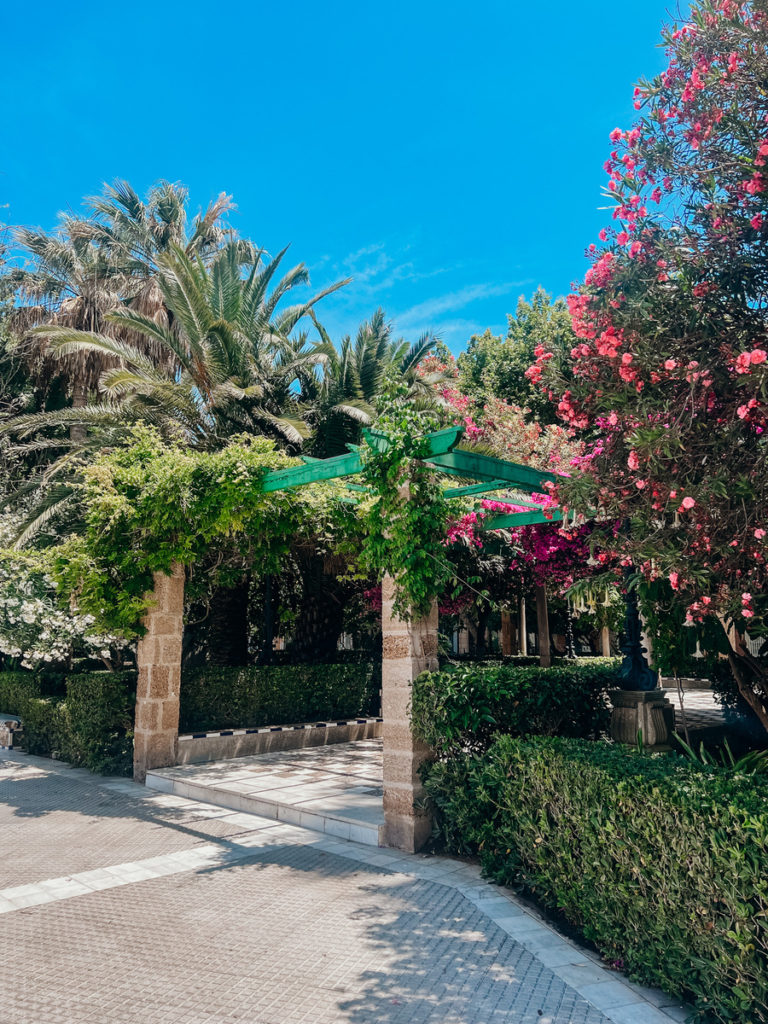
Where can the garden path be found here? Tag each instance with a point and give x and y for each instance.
(124, 905)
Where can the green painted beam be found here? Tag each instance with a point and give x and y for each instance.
(484, 467)
(322, 469)
(511, 520)
(460, 492)
(440, 442)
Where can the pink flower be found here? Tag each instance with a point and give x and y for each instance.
(626, 358)
(632, 461)
(674, 580)
(622, 238)
(639, 484)
(759, 533)
(758, 355)
(746, 598)
(688, 502)
(747, 613)
(670, 364)
(635, 248)
(757, 222)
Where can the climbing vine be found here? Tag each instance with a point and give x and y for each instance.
(406, 519)
(148, 504)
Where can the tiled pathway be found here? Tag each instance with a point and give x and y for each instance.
(335, 789)
(119, 905)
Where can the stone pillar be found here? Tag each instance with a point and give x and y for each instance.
(158, 657)
(542, 615)
(605, 642)
(522, 628)
(408, 648)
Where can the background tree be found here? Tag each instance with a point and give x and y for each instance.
(668, 382)
(494, 366)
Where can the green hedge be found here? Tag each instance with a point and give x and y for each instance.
(15, 689)
(91, 726)
(462, 707)
(218, 698)
(660, 863)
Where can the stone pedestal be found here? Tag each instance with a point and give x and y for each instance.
(642, 711)
(158, 657)
(408, 648)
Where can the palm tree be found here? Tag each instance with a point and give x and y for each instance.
(92, 266)
(344, 399)
(229, 363)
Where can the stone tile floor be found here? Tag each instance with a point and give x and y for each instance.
(702, 710)
(335, 789)
(170, 910)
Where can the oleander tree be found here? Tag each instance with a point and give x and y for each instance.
(667, 382)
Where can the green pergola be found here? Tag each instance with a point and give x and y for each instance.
(489, 475)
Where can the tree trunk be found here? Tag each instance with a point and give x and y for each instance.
(752, 681)
(506, 634)
(542, 615)
(77, 432)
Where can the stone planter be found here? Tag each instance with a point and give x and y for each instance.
(648, 712)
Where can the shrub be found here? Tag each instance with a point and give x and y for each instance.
(462, 707)
(92, 726)
(16, 688)
(215, 698)
(99, 711)
(659, 862)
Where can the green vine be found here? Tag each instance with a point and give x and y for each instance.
(148, 505)
(406, 520)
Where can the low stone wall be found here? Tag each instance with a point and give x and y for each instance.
(215, 746)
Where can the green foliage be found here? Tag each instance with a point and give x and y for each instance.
(495, 366)
(92, 726)
(16, 688)
(99, 711)
(659, 862)
(462, 707)
(407, 518)
(149, 504)
(217, 698)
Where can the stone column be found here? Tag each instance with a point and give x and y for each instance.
(408, 648)
(158, 656)
(522, 627)
(605, 642)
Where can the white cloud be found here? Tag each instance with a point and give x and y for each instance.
(431, 309)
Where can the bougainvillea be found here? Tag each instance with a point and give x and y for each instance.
(669, 376)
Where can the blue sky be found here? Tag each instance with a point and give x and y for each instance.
(448, 156)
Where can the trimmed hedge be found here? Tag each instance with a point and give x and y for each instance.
(461, 707)
(217, 698)
(91, 726)
(659, 862)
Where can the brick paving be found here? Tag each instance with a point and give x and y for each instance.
(267, 924)
(55, 823)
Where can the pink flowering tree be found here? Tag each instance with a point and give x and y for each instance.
(668, 382)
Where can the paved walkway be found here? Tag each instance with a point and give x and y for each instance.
(119, 905)
(336, 789)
